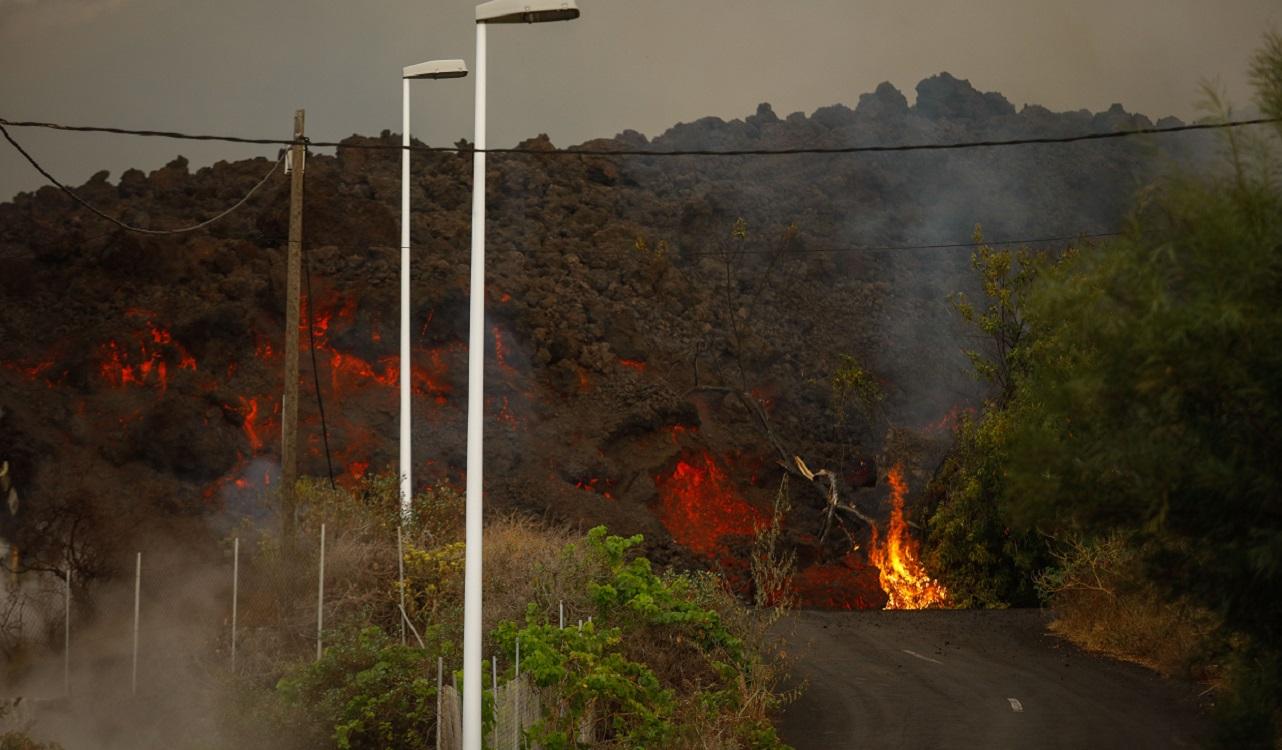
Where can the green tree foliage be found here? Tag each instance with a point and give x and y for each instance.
(1006, 276)
(970, 545)
(854, 388)
(1139, 417)
(1152, 398)
(1149, 401)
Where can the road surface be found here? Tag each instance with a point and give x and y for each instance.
(971, 679)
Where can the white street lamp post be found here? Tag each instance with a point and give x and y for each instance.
(495, 11)
(432, 69)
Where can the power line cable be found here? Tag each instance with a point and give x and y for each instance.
(1081, 236)
(123, 225)
(822, 150)
(311, 346)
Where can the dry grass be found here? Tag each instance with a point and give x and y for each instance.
(1103, 604)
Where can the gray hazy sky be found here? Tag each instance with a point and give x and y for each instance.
(242, 66)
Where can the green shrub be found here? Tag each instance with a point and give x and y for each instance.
(657, 663)
(372, 691)
(586, 674)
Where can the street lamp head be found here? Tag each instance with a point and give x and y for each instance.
(526, 11)
(436, 69)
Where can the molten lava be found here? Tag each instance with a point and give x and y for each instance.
(155, 349)
(700, 508)
(678, 430)
(500, 351)
(250, 407)
(903, 577)
(844, 584)
(597, 486)
(32, 372)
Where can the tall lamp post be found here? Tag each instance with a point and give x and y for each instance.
(494, 11)
(431, 69)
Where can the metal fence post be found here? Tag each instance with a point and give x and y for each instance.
(66, 636)
(133, 683)
(400, 567)
(235, 595)
(320, 594)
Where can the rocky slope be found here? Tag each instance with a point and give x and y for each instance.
(628, 308)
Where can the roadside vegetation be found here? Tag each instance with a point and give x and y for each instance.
(662, 659)
(1126, 470)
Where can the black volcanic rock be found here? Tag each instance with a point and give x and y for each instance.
(765, 116)
(943, 97)
(624, 308)
(885, 102)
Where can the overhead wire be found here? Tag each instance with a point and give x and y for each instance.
(124, 225)
(1030, 241)
(311, 346)
(577, 151)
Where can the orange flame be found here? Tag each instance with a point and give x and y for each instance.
(903, 576)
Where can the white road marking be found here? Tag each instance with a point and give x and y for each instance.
(1015, 705)
(923, 658)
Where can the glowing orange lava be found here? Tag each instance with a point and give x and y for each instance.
(500, 351)
(633, 364)
(681, 429)
(155, 349)
(596, 485)
(32, 372)
(843, 584)
(250, 407)
(903, 577)
(700, 508)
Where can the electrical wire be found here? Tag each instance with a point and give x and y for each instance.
(311, 346)
(140, 230)
(821, 150)
(1031, 241)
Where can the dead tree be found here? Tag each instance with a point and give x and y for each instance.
(824, 481)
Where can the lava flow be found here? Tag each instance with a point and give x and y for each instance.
(700, 508)
(903, 576)
(156, 348)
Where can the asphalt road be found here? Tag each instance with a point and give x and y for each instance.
(971, 679)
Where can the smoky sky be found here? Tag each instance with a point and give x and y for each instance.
(243, 66)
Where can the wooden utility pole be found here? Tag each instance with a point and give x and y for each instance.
(293, 266)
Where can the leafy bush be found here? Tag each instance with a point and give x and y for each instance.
(585, 673)
(969, 543)
(372, 691)
(657, 663)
